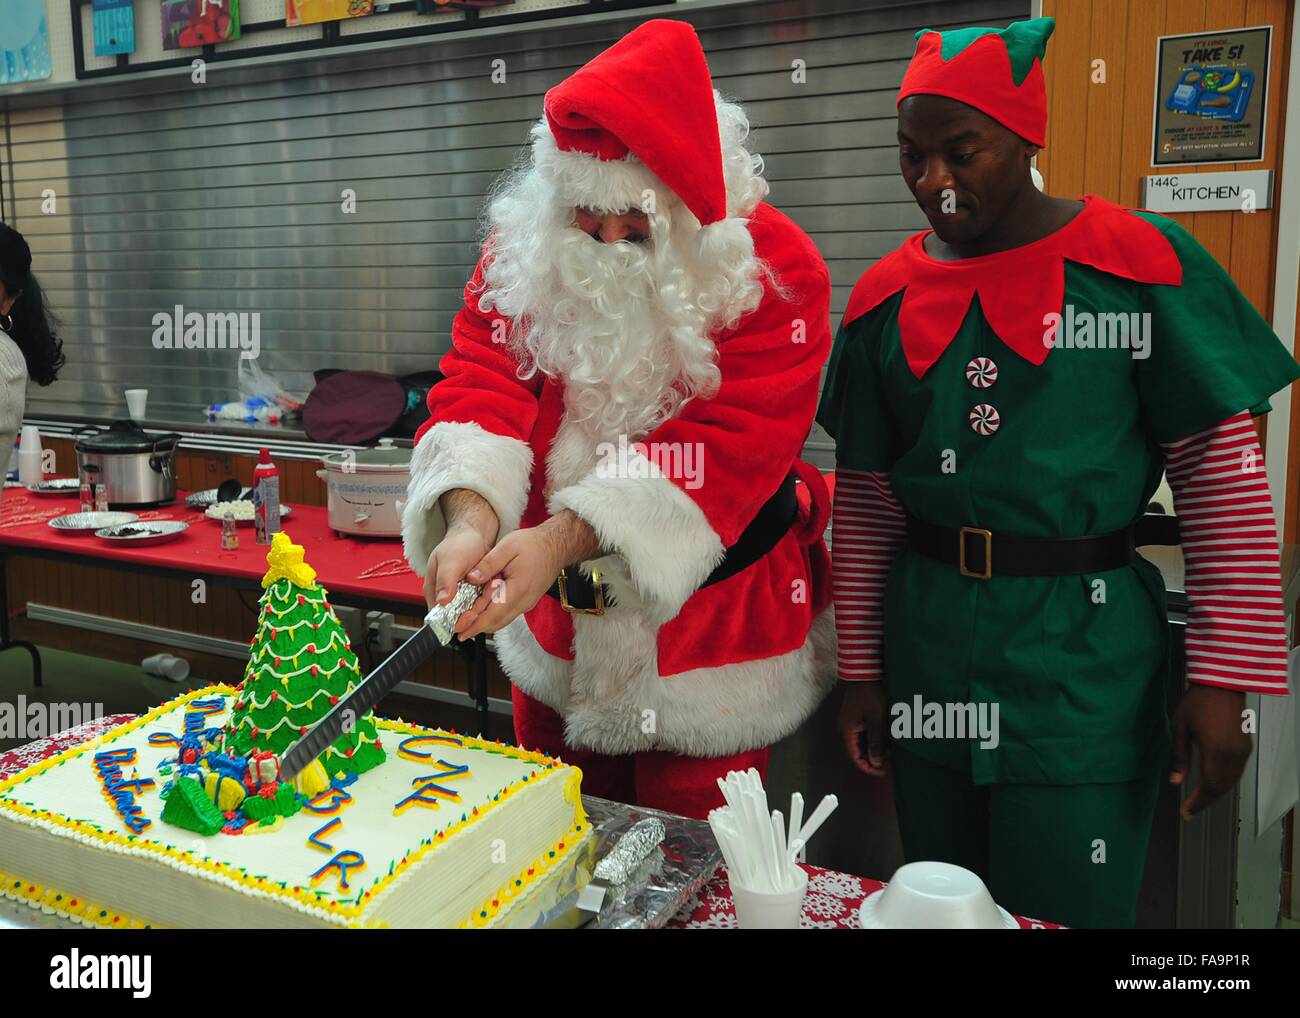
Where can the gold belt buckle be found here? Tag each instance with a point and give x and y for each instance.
(562, 581)
(988, 553)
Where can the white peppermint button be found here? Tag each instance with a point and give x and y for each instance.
(981, 372)
(984, 419)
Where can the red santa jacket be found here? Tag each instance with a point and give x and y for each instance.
(702, 672)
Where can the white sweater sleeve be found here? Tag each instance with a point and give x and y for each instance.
(13, 394)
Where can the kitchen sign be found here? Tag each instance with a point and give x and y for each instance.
(1211, 92)
(1226, 191)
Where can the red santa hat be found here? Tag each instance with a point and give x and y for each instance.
(997, 71)
(649, 95)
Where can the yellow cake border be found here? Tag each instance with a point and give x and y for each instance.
(260, 886)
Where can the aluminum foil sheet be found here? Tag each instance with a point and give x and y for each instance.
(442, 617)
(668, 878)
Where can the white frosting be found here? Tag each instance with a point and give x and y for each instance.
(441, 889)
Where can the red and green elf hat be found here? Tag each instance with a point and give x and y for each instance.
(999, 71)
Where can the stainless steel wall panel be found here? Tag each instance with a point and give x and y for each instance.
(226, 197)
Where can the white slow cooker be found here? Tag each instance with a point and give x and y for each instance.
(366, 489)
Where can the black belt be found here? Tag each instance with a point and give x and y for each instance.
(577, 594)
(980, 554)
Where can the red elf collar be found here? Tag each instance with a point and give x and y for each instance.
(1016, 288)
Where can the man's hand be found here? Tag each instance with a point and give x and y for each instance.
(1210, 718)
(862, 720)
(517, 573)
(471, 529)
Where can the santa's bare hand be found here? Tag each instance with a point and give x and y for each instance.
(515, 575)
(455, 555)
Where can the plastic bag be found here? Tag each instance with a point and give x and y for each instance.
(256, 384)
(262, 398)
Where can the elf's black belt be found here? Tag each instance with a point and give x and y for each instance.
(981, 554)
(578, 595)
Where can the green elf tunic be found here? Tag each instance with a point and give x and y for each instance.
(941, 377)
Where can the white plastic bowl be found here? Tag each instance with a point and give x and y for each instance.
(934, 896)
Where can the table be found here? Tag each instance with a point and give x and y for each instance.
(367, 573)
(832, 902)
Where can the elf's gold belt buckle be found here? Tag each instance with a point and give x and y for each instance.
(597, 590)
(987, 571)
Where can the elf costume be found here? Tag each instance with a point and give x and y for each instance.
(679, 679)
(951, 410)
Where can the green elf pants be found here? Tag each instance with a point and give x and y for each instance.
(1069, 854)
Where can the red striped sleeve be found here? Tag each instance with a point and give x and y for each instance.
(867, 529)
(1236, 627)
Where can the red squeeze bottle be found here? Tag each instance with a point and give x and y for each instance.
(266, 498)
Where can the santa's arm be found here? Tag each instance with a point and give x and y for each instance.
(867, 530)
(1236, 626)
(668, 528)
(481, 415)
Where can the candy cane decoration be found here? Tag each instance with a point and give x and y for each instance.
(388, 567)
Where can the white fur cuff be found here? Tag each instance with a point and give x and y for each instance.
(453, 454)
(663, 538)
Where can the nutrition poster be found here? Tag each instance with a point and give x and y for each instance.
(1211, 92)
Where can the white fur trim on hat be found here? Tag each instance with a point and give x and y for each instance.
(602, 185)
(454, 454)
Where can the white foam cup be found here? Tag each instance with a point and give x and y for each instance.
(758, 910)
(175, 668)
(135, 403)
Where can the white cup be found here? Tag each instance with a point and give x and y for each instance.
(29, 455)
(135, 402)
(760, 910)
(934, 896)
(176, 668)
(167, 666)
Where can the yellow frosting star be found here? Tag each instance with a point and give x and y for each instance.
(285, 561)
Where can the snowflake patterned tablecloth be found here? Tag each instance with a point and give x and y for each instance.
(832, 902)
(14, 760)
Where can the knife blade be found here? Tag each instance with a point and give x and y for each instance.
(348, 711)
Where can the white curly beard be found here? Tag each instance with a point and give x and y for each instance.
(625, 327)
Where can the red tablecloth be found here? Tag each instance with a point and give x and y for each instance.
(344, 565)
(832, 902)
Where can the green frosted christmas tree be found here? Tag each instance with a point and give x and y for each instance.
(300, 665)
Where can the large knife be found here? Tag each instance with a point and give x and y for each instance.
(436, 631)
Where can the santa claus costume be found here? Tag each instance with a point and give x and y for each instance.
(662, 392)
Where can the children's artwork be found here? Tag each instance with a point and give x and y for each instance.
(24, 42)
(437, 6)
(313, 12)
(114, 23)
(190, 23)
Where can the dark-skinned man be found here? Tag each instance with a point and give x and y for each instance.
(1005, 392)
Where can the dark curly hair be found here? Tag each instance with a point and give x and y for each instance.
(34, 325)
